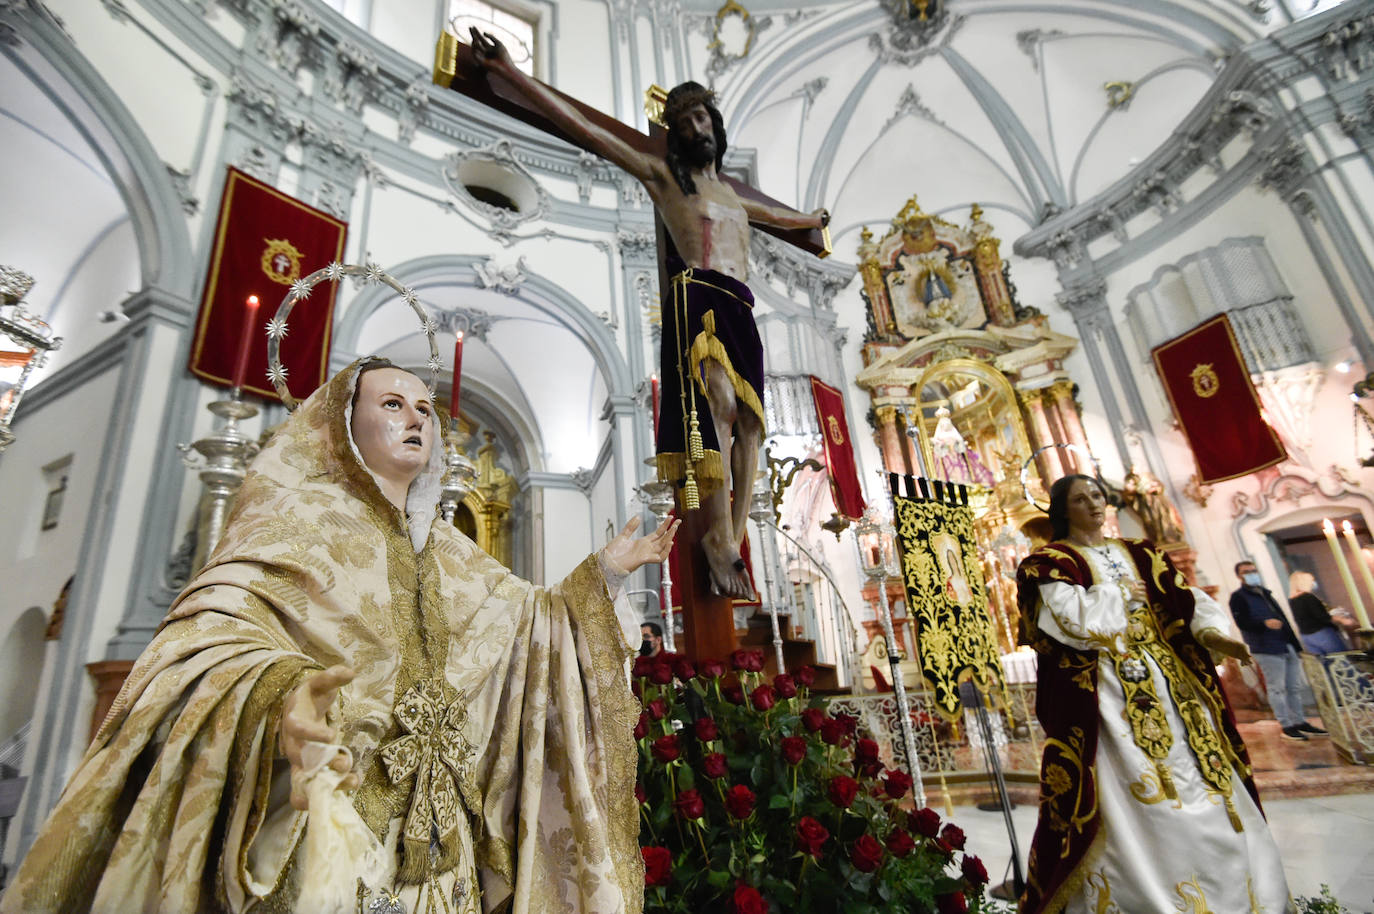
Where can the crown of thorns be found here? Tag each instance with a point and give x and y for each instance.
(684, 97)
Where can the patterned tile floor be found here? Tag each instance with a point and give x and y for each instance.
(1320, 809)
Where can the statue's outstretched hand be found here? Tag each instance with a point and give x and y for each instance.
(1218, 643)
(304, 720)
(627, 552)
(489, 51)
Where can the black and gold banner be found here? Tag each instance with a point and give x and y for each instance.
(946, 595)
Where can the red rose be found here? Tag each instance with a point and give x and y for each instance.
(953, 903)
(832, 732)
(689, 804)
(810, 836)
(793, 749)
(872, 770)
(953, 836)
(642, 727)
(739, 800)
(865, 750)
(849, 722)
(842, 791)
(899, 843)
(866, 854)
(974, 871)
(747, 661)
(926, 822)
(705, 729)
(733, 693)
(897, 784)
(658, 709)
(658, 865)
(684, 669)
(713, 765)
(637, 689)
(665, 748)
(640, 795)
(805, 676)
(785, 686)
(711, 669)
(642, 666)
(747, 900)
(660, 673)
(763, 698)
(812, 718)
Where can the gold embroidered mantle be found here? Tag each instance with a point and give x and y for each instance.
(178, 805)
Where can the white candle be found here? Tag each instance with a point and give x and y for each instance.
(1329, 531)
(1368, 579)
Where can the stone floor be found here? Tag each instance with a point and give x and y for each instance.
(1320, 809)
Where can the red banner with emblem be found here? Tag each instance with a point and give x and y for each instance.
(1209, 387)
(264, 241)
(848, 495)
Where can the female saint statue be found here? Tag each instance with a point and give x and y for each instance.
(479, 726)
(1147, 797)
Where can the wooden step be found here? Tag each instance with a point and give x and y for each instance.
(796, 652)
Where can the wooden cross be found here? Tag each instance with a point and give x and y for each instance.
(709, 626)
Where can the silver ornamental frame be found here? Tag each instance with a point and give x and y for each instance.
(300, 291)
(1025, 469)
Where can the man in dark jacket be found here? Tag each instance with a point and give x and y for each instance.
(1275, 646)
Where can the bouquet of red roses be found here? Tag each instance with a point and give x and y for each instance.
(754, 800)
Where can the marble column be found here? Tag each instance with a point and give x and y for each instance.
(1071, 422)
(890, 440)
(1041, 436)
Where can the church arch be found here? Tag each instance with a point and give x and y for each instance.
(21, 669)
(456, 270)
(46, 56)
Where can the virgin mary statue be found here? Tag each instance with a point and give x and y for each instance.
(477, 725)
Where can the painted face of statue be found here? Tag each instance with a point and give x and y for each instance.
(698, 135)
(393, 424)
(1087, 506)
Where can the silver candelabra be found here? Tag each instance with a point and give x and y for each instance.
(875, 544)
(460, 474)
(658, 496)
(222, 459)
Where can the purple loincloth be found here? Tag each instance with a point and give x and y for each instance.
(698, 299)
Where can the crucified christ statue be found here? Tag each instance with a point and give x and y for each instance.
(712, 358)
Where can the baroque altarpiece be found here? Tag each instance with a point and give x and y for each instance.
(967, 386)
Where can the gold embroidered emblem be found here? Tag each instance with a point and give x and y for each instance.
(281, 261)
(836, 434)
(433, 749)
(1205, 380)
(1192, 900)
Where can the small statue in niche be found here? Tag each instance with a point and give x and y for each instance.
(1144, 494)
(954, 459)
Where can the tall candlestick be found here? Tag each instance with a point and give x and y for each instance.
(457, 379)
(653, 396)
(1329, 531)
(1349, 533)
(250, 319)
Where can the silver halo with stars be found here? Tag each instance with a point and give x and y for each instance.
(301, 289)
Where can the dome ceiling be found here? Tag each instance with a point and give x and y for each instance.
(1027, 109)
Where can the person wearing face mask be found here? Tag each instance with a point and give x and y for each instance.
(1275, 646)
(345, 663)
(652, 645)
